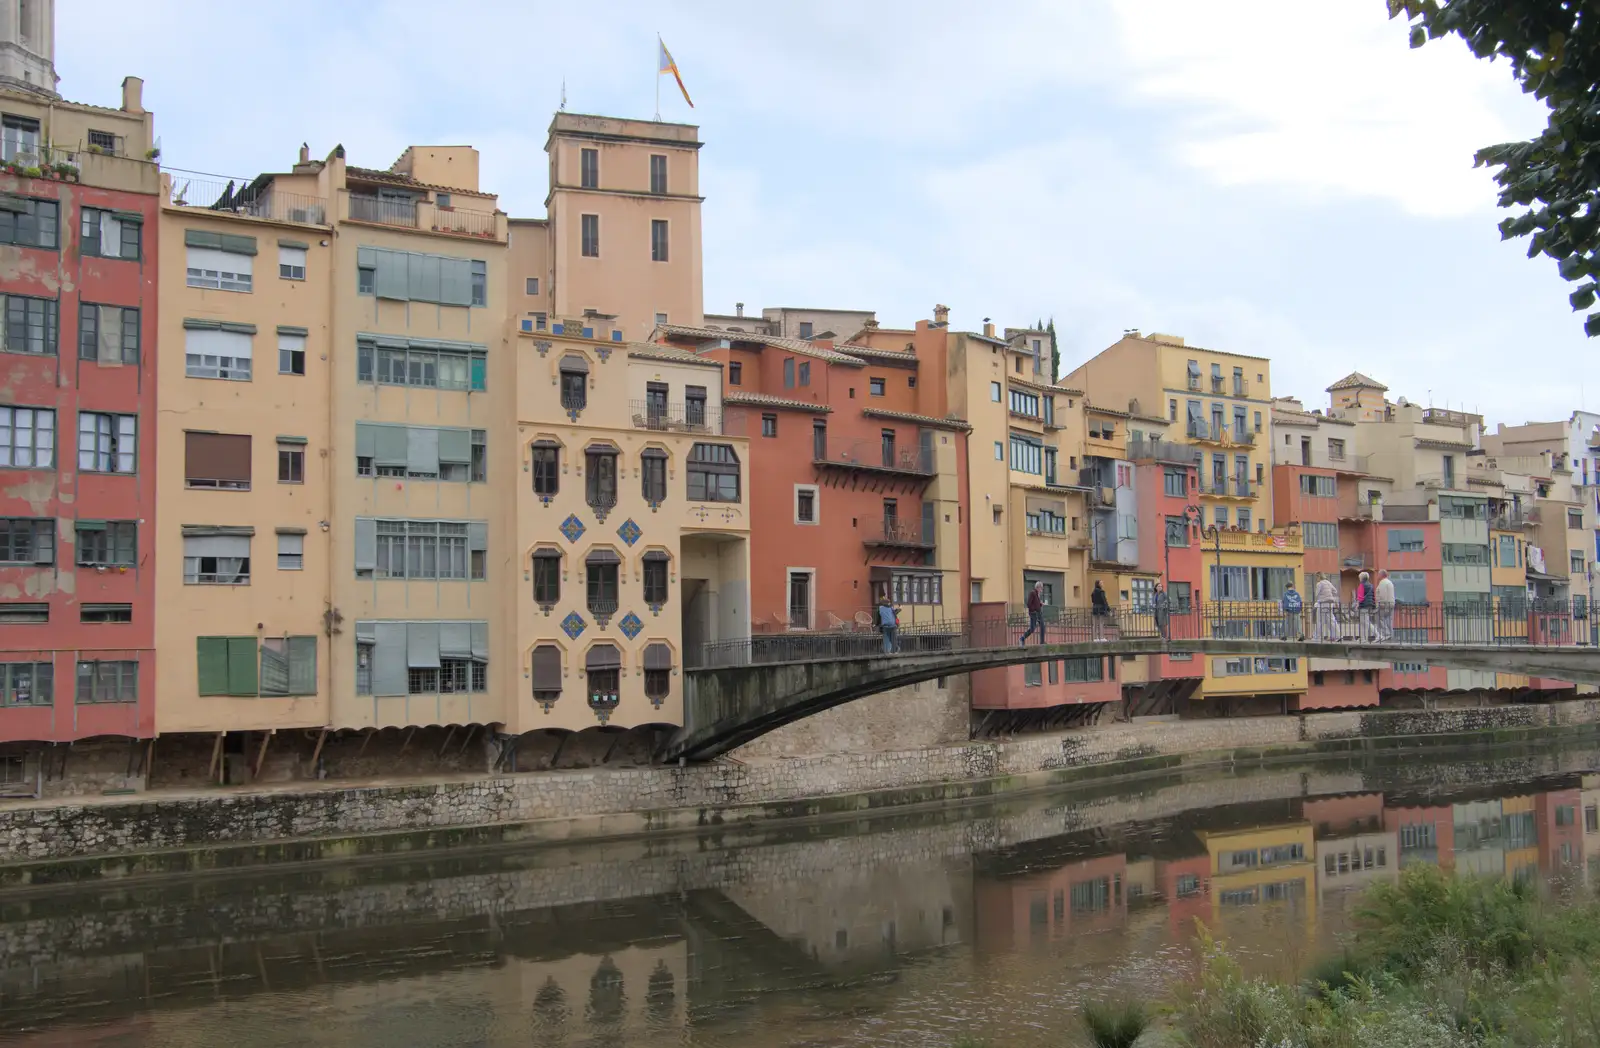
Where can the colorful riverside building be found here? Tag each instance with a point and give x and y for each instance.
(1217, 403)
(77, 417)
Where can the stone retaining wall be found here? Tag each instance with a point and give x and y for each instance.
(623, 801)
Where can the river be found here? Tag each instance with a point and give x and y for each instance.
(914, 928)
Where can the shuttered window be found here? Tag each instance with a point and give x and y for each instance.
(30, 325)
(227, 665)
(546, 673)
(108, 334)
(216, 460)
(29, 223)
(422, 658)
(410, 276)
(289, 666)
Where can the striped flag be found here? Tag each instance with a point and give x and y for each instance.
(669, 66)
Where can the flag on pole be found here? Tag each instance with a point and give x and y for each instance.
(669, 66)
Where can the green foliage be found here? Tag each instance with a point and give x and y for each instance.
(1115, 1024)
(1554, 50)
(1055, 350)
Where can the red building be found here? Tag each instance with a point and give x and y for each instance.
(78, 218)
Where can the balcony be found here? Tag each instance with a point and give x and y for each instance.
(1514, 520)
(1163, 451)
(661, 416)
(873, 458)
(1353, 509)
(895, 533)
(1438, 481)
(1224, 386)
(241, 197)
(1260, 541)
(1228, 487)
(1357, 562)
(422, 214)
(1446, 417)
(1212, 433)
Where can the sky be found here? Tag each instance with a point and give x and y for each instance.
(1283, 180)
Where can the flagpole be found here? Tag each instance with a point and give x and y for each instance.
(658, 78)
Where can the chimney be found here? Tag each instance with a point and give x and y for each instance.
(305, 153)
(941, 316)
(132, 94)
(738, 309)
(988, 329)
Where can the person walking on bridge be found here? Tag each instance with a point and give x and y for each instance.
(1385, 601)
(1290, 604)
(1035, 604)
(888, 624)
(1366, 602)
(1100, 610)
(1326, 600)
(1162, 607)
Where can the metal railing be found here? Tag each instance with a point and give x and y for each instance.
(1487, 624)
(898, 531)
(365, 208)
(1163, 451)
(874, 454)
(1228, 487)
(239, 197)
(464, 221)
(690, 416)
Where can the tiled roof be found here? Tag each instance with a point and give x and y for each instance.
(1356, 380)
(1442, 445)
(766, 400)
(925, 420)
(1046, 387)
(372, 174)
(894, 356)
(651, 351)
(793, 345)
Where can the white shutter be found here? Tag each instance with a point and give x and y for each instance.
(235, 344)
(292, 256)
(127, 442)
(110, 235)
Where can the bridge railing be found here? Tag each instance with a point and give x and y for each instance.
(1486, 623)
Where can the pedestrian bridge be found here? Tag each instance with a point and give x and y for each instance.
(738, 691)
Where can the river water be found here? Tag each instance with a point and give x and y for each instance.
(917, 928)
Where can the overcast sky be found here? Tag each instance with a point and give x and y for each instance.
(1288, 180)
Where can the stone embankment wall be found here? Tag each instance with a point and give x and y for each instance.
(300, 822)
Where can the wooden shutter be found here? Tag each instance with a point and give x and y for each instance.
(547, 668)
(217, 456)
(213, 657)
(603, 657)
(241, 666)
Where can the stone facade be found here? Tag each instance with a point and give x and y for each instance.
(613, 802)
(914, 717)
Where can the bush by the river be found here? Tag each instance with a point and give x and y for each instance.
(1435, 962)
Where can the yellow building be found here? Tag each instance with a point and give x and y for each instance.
(1218, 402)
(1022, 468)
(1263, 865)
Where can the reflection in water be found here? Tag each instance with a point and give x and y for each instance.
(916, 928)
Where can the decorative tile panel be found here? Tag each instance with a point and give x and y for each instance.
(630, 625)
(630, 532)
(572, 528)
(573, 625)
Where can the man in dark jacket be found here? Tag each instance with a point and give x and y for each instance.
(1035, 612)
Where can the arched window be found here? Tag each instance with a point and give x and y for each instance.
(655, 579)
(653, 475)
(600, 481)
(546, 578)
(603, 669)
(546, 675)
(657, 673)
(574, 383)
(546, 455)
(602, 568)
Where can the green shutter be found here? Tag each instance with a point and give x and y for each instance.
(237, 245)
(301, 244)
(289, 329)
(202, 238)
(392, 279)
(302, 665)
(456, 282)
(198, 324)
(213, 655)
(237, 328)
(423, 274)
(241, 666)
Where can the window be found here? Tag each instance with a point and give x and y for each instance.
(601, 571)
(1335, 450)
(1316, 485)
(1177, 532)
(546, 577)
(480, 283)
(1464, 553)
(111, 234)
(219, 261)
(603, 669)
(1027, 456)
(107, 543)
(735, 373)
(886, 440)
(1220, 515)
(805, 373)
(1320, 536)
(1405, 540)
(289, 666)
(994, 392)
(658, 240)
(530, 285)
(216, 460)
(653, 475)
(713, 473)
(213, 351)
(769, 425)
(227, 666)
(546, 674)
(1577, 563)
(819, 440)
(105, 614)
(291, 354)
(1410, 587)
(107, 443)
(213, 557)
(1574, 519)
(291, 261)
(1507, 553)
(1024, 403)
(655, 578)
(658, 174)
(546, 468)
(291, 551)
(600, 477)
(29, 223)
(800, 600)
(441, 201)
(107, 682)
(876, 386)
(1244, 519)
(591, 235)
(661, 320)
(27, 684)
(805, 504)
(1454, 507)
(417, 362)
(366, 279)
(1031, 677)
(27, 438)
(30, 325)
(589, 168)
(27, 540)
(19, 135)
(657, 672)
(915, 587)
(420, 549)
(788, 373)
(1175, 482)
(14, 613)
(291, 463)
